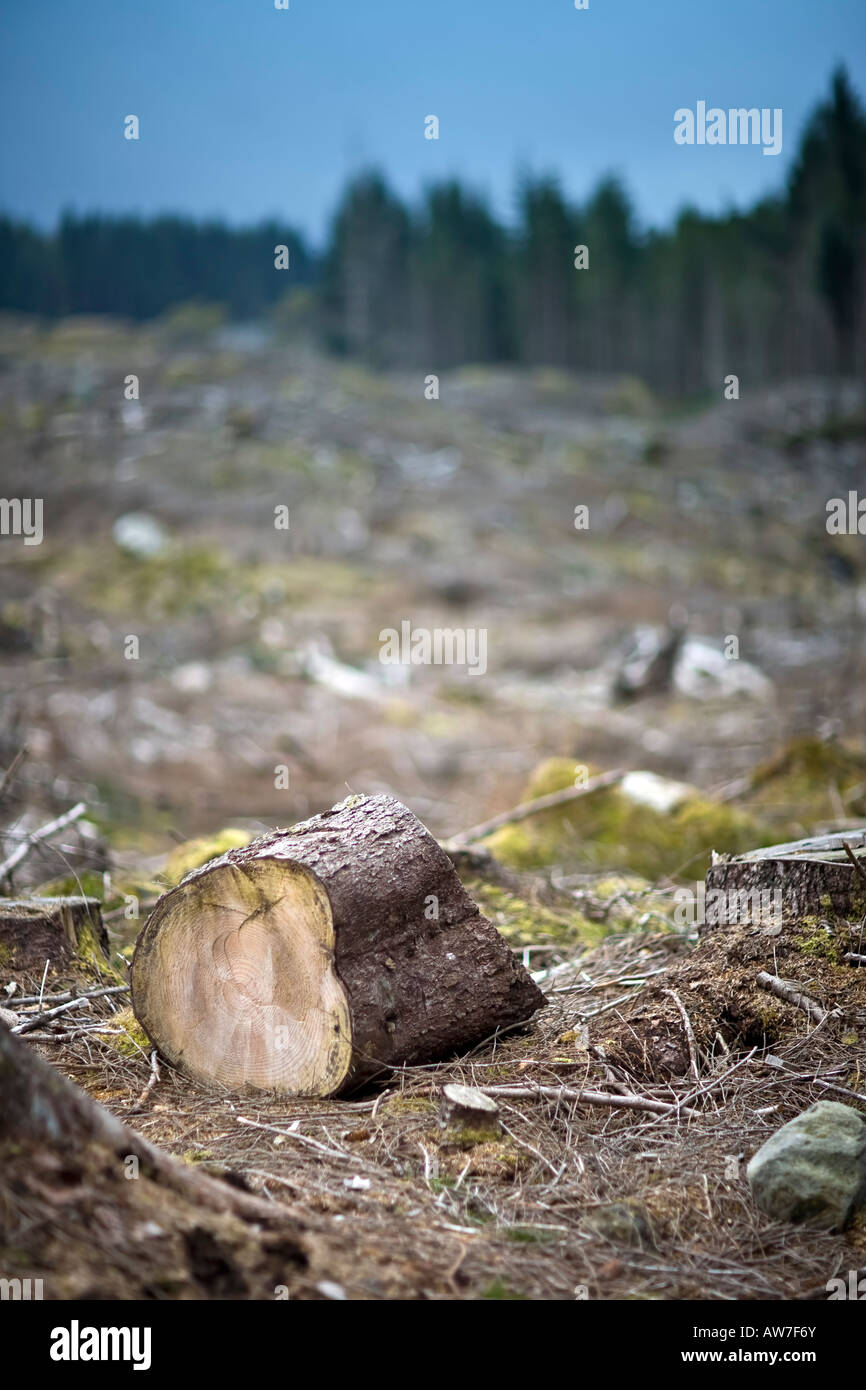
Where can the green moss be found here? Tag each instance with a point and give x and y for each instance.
(822, 944)
(192, 854)
(499, 1290)
(609, 830)
(133, 1040)
(529, 1235)
(529, 924)
(90, 955)
(87, 884)
(800, 786)
(442, 1184)
(183, 578)
(465, 1137)
(409, 1105)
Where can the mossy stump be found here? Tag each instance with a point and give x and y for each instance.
(803, 878)
(314, 958)
(33, 930)
(468, 1116)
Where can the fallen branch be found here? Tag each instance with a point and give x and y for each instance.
(38, 1019)
(532, 808)
(12, 771)
(690, 1035)
(626, 1102)
(792, 994)
(15, 1002)
(43, 833)
(153, 1079)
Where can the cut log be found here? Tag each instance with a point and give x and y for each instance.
(314, 958)
(811, 877)
(33, 930)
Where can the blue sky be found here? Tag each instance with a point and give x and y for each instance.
(247, 111)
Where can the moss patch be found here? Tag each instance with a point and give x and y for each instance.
(609, 830)
(192, 854)
(801, 786)
(133, 1040)
(523, 923)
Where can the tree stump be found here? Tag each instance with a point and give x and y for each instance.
(33, 930)
(313, 958)
(811, 877)
(468, 1116)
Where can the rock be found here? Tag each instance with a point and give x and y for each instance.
(140, 535)
(659, 793)
(813, 1169)
(647, 666)
(624, 1223)
(702, 671)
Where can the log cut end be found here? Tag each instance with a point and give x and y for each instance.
(236, 984)
(315, 958)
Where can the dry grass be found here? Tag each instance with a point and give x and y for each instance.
(401, 1212)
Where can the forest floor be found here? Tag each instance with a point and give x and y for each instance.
(571, 1201)
(258, 649)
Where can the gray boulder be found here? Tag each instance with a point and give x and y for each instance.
(813, 1169)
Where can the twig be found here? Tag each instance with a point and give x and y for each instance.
(69, 994)
(152, 1080)
(690, 1035)
(12, 769)
(861, 872)
(38, 1019)
(714, 1085)
(626, 1102)
(303, 1139)
(43, 833)
(531, 808)
(92, 1030)
(792, 995)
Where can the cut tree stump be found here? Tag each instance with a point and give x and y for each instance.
(813, 877)
(314, 958)
(468, 1116)
(33, 930)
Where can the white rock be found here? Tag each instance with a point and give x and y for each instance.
(140, 534)
(660, 793)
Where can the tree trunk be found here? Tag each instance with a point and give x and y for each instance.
(43, 1109)
(812, 877)
(313, 958)
(33, 930)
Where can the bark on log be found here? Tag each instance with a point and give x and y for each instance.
(813, 877)
(43, 1110)
(33, 930)
(313, 958)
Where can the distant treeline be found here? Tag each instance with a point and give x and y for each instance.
(776, 291)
